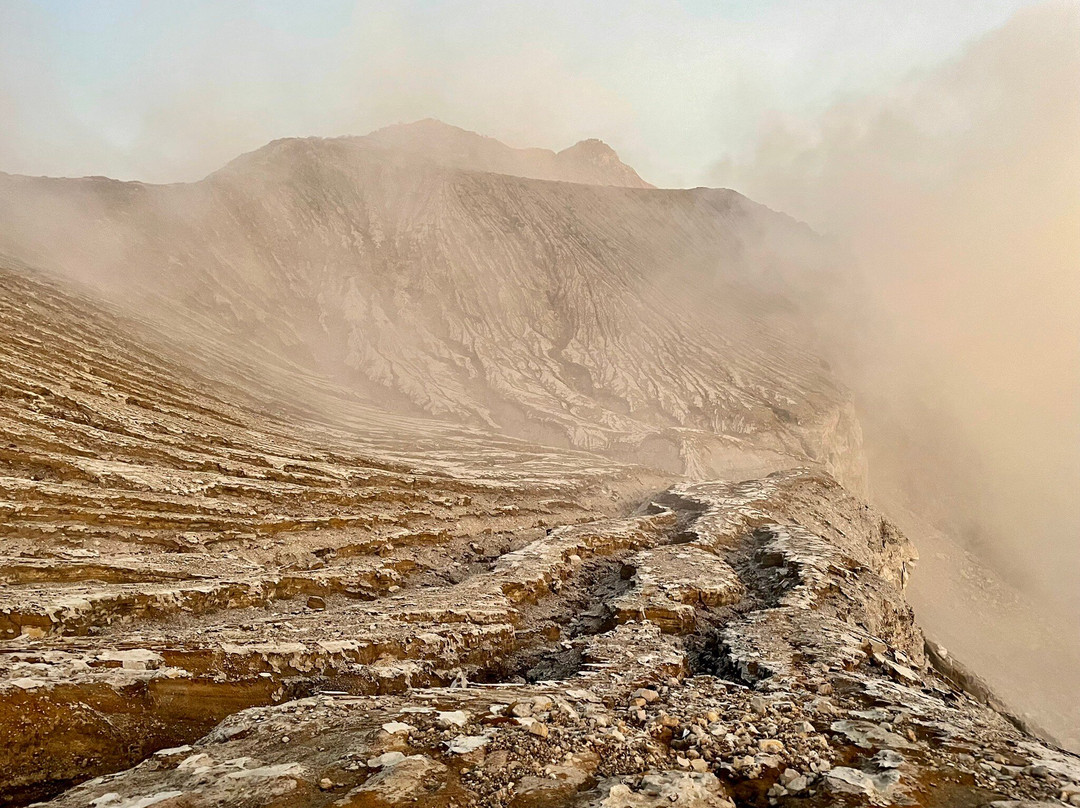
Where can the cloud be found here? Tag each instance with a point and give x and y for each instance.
(958, 190)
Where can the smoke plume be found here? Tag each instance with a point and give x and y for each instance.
(958, 192)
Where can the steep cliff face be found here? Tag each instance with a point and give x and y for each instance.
(636, 322)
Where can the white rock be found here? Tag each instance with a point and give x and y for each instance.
(463, 744)
(201, 759)
(455, 718)
(385, 759)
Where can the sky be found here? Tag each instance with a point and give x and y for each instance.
(165, 91)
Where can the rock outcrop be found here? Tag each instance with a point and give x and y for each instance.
(524, 685)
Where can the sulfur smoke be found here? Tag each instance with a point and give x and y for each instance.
(958, 192)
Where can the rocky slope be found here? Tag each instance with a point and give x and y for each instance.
(271, 536)
(133, 489)
(631, 321)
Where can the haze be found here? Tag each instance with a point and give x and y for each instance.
(958, 190)
(936, 144)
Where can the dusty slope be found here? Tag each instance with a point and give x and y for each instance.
(637, 322)
(1028, 651)
(376, 634)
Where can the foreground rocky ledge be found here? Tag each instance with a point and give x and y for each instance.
(743, 643)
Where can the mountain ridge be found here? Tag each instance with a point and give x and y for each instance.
(589, 161)
(417, 281)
